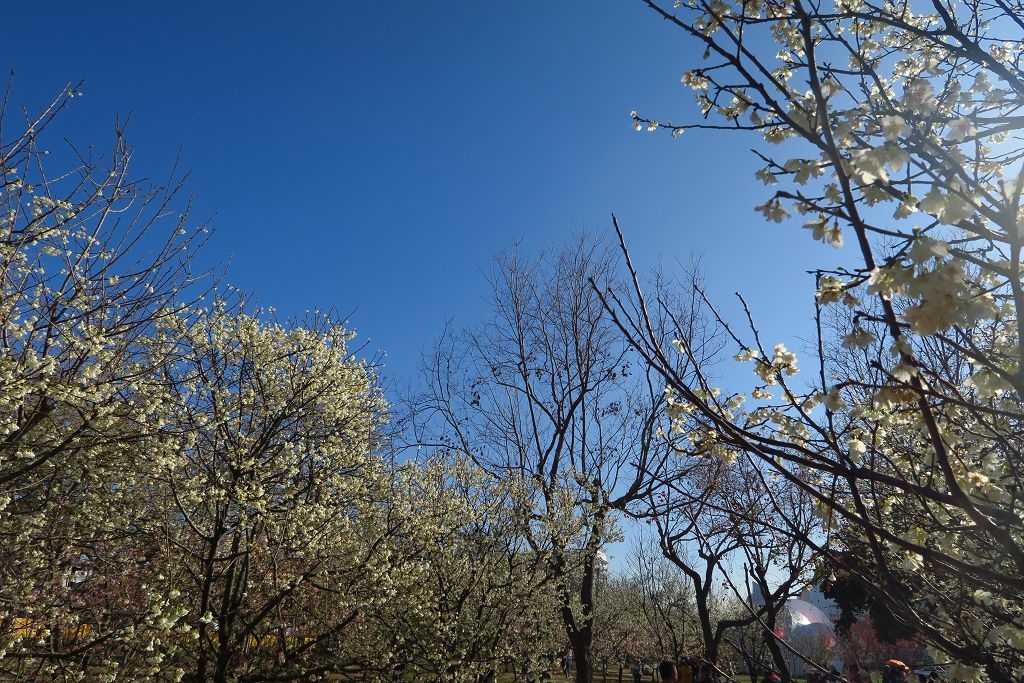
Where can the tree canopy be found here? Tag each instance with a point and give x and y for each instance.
(194, 489)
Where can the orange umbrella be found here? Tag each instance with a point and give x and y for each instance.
(895, 663)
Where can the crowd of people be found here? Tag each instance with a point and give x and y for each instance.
(894, 671)
(687, 671)
(691, 670)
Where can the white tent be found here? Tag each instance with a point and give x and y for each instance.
(804, 613)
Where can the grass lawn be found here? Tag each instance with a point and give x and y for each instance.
(613, 677)
(599, 677)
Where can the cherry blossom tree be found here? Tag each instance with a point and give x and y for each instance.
(184, 491)
(273, 486)
(860, 644)
(619, 633)
(481, 597)
(665, 602)
(896, 125)
(90, 261)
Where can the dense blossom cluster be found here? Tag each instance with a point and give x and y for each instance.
(193, 491)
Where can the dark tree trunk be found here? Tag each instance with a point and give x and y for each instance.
(582, 655)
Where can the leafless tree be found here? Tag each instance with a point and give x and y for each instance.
(547, 394)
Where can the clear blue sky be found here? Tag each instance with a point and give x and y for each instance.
(370, 156)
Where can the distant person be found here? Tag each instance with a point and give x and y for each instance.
(668, 671)
(567, 663)
(637, 670)
(895, 672)
(687, 671)
(854, 674)
(707, 674)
